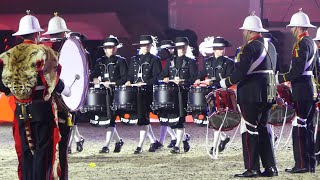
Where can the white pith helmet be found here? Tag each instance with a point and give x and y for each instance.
(56, 25)
(317, 38)
(28, 24)
(253, 23)
(300, 19)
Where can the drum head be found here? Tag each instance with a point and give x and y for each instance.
(277, 115)
(74, 63)
(232, 121)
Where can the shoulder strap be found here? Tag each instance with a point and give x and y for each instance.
(263, 55)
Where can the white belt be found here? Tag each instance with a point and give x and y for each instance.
(308, 73)
(39, 88)
(262, 72)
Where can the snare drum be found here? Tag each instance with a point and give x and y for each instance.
(285, 93)
(220, 102)
(125, 98)
(197, 98)
(278, 112)
(96, 100)
(164, 96)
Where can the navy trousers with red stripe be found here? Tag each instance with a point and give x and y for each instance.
(257, 146)
(302, 137)
(63, 149)
(36, 166)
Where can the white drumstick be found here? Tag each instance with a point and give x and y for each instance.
(76, 77)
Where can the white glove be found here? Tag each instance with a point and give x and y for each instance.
(223, 83)
(66, 91)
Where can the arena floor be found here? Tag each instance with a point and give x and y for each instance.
(195, 164)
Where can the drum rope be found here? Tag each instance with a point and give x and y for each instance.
(282, 128)
(287, 141)
(219, 132)
(235, 133)
(316, 126)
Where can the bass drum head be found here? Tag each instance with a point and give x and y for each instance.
(73, 60)
(232, 120)
(277, 115)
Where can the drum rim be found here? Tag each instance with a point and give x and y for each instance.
(85, 72)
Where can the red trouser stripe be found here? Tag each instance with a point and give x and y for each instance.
(249, 167)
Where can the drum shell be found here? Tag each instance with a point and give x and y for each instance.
(96, 101)
(220, 102)
(125, 98)
(164, 96)
(197, 99)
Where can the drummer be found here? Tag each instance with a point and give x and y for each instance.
(143, 71)
(181, 70)
(110, 68)
(214, 68)
(35, 133)
(317, 140)
(57, 30)
(166, 46)
(254, 76)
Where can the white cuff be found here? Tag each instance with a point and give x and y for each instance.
(66, 91)
(223, 83)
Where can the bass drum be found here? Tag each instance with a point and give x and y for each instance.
(220, 102)
(74, 62)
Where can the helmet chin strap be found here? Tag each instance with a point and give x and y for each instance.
(294, 32)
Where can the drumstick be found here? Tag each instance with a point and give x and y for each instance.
(171, 80)
(142, 84)
(76, 77)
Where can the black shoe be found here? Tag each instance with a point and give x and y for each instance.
(80, 145)
(175, 150)
(188, 137)
(312, 170)
(297, 170)
(172, 143)
(270, 172)
(138, 150)
(118, 146)
(223, 143)
(159, 145)
(249, 174)
(69, 150)
(275, 138)
(186, 146)
(153, 147)
(211, 150)
(105, 149)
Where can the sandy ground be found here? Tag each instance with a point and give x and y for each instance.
(195, 164)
